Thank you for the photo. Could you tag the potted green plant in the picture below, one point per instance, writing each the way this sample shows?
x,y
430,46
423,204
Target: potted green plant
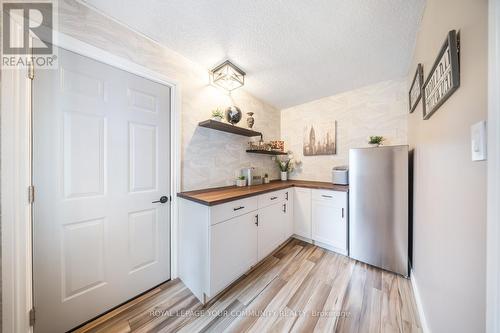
x,y
266,178
376,140
285,165
217,115
241,181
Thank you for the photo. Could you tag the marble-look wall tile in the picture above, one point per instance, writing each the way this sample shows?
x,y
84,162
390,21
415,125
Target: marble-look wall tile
x,y
209,158
379,109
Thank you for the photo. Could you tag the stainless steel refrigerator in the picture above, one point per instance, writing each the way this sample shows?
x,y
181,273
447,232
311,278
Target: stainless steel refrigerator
x,y
378,207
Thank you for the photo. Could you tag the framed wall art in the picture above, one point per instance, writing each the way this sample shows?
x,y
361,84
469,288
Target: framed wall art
x,y
444,77
415,93
320,139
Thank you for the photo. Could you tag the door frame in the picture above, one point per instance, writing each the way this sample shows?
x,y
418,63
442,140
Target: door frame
x,y
493,227
16,176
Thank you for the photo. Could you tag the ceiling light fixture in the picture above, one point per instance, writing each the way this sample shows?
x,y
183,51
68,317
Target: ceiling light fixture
x,y
228,76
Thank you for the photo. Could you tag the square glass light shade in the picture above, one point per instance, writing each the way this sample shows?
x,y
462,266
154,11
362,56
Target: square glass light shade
x,y
227,76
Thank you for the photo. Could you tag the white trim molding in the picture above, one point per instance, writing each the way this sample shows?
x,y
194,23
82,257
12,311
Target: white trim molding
x,y
16,177
418,301
493,227
16,209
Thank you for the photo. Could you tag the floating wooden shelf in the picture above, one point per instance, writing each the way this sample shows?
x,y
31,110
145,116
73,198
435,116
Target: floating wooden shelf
x,y
266,152
225,127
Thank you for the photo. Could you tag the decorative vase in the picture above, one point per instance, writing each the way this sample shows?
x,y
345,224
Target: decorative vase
x,y
233,114
241,182
284,175
250,119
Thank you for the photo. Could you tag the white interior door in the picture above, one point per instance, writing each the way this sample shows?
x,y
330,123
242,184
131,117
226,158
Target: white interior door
x,y
101,156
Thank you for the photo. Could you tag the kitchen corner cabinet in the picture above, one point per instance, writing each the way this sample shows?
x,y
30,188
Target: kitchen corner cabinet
x,y
329,219
321,217
218,244
288,208
302,212
271,231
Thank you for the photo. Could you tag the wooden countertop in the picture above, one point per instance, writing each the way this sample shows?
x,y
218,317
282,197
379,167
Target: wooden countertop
x,y
215,196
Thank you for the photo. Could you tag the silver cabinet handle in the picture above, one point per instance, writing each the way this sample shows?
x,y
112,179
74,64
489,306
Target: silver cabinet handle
x,y
238,208
274,198
326,196
342,212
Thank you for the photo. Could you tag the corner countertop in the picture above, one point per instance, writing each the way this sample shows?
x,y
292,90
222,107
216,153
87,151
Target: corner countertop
x,y
215,196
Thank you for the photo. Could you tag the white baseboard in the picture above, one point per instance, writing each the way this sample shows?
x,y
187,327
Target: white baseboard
x,y
418,300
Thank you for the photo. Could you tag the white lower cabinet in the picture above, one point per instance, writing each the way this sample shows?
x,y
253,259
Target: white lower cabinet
x,y
302,212
233,250
218,244
329,219
288,208
272,228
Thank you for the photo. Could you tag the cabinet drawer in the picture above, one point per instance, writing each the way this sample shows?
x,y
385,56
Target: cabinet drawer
x,y
271,198
232,209
335,197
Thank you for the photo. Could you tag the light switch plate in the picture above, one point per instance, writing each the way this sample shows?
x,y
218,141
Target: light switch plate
x,y
478,141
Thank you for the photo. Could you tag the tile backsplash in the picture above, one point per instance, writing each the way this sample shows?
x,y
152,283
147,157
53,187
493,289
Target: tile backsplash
x,y
378,109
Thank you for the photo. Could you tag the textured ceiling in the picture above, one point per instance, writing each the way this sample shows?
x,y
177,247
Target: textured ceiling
x,y
293,51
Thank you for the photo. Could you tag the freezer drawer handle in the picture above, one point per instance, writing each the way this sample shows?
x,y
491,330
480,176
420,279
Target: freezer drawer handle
x,y
326,196
238,208
342,212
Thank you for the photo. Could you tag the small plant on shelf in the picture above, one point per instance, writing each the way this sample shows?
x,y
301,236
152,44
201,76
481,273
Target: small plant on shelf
x,y
241,181
376,140
217,114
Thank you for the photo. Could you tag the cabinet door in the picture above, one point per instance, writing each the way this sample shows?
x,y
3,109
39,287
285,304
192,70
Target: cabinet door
x,y
329,220
302,212
288,207
233,250
271,230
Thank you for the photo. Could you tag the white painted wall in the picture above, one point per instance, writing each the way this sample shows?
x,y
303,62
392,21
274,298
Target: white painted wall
x,y
493,226
209,158
378,109
449,189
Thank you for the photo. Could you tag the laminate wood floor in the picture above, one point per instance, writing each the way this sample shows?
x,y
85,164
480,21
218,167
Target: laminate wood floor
x,y
300,288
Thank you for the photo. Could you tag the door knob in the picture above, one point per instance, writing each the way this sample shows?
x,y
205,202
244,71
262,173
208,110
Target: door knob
x,y
163,199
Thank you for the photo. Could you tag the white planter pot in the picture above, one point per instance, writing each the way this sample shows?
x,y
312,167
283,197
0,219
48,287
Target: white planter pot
x,y
284,175
266,180
241,182
217,118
